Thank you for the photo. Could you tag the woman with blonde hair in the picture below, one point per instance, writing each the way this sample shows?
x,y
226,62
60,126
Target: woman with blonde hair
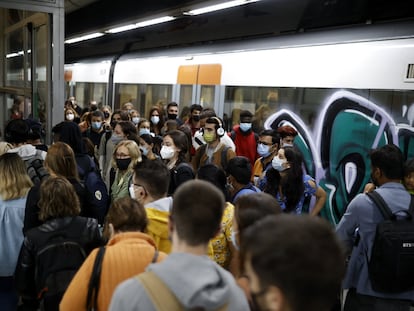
x,y
128,252
14,186
60,160
126,155
52,252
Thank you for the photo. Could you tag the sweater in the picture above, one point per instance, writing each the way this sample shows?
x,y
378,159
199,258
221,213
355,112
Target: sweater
x,y
126,255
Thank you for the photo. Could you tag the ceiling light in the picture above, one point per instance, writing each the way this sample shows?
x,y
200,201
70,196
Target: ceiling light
x,y
86,37
217,7
149,22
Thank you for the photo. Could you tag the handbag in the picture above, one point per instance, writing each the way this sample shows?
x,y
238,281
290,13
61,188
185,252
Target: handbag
x,y
93,288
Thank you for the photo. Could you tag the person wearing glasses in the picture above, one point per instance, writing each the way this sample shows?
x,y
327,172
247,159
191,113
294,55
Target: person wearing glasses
x,y
267,148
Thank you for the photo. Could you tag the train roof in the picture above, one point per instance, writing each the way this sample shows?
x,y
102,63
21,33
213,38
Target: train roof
x,y
256,20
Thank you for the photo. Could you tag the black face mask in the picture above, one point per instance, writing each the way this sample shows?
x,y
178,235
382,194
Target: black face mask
x,y
123,164
172,116
196,117
106,115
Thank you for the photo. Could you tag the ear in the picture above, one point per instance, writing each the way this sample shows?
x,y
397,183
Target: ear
x,y
275,300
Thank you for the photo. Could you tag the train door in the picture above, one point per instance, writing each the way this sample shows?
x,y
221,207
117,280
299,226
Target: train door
x,y
199,84
31,40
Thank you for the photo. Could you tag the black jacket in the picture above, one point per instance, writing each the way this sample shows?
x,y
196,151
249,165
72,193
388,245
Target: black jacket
x,y
31,271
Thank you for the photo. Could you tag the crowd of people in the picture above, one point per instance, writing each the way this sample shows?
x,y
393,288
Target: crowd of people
x,y
123,212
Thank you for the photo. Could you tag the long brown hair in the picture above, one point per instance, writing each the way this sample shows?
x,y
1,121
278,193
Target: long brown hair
x,y
60,159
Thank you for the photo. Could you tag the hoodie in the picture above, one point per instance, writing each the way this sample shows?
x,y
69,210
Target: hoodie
x,y
158,213
196,281
27,151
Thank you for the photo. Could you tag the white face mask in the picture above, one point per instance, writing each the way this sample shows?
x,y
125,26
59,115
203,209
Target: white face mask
x,y
70,116
132,192
277,164
155,119
135,120
167,152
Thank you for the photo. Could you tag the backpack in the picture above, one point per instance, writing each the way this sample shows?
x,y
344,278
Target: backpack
x,y
56,263
223,160
182,164
92,180
35,167
391,266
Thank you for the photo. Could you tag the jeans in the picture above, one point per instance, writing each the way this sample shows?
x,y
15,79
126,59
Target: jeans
x,y
8,295
359,302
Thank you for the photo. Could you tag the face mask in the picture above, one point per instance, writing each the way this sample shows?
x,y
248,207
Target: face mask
x,y
123,164
131,190
143,131
96,125
245,126
144,151
263,150
209,137
277,164
196,117
287,145
70,116
135,120
116,139
166,152
155,119
106,115
233,239
172,116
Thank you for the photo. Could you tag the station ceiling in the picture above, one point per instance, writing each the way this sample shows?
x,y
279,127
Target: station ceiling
x,y
260,19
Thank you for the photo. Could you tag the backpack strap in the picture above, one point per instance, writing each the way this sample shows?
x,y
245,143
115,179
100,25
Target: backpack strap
x,y
93,289
160,295
380,203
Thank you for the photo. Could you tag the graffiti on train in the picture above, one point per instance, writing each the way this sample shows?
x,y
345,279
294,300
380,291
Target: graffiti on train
x,y
336,152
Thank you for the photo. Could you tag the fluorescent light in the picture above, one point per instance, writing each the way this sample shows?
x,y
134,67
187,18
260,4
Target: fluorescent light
x,y
149,22
15,54
86,37
217,7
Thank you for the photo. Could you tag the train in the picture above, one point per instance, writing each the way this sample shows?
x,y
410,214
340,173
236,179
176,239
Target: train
x,y
345,90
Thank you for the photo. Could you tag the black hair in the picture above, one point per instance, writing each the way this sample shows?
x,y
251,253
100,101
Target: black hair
x,y
389,159
240,168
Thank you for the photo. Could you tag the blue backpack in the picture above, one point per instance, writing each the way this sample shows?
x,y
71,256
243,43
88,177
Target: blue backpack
x,y
91,179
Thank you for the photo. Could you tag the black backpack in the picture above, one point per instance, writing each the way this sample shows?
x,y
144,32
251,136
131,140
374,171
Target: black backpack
x,y
391,267
56,263
35,168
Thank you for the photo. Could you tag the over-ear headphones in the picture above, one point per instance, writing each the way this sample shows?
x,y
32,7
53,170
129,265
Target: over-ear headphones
x,y
220,130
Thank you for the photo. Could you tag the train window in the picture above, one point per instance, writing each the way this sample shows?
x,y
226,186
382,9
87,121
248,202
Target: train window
x,y
207,94
126,93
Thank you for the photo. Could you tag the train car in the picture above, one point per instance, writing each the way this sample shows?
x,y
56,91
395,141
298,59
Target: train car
x,y
346,91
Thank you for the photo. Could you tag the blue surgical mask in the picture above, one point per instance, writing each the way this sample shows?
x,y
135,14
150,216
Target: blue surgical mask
x,y
143,131
233,239
144,150
96,125
263,150
277,164
287,145
135,120
245,126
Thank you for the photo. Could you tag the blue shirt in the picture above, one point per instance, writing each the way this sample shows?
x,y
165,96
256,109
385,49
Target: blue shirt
x,y
362,217
11,233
